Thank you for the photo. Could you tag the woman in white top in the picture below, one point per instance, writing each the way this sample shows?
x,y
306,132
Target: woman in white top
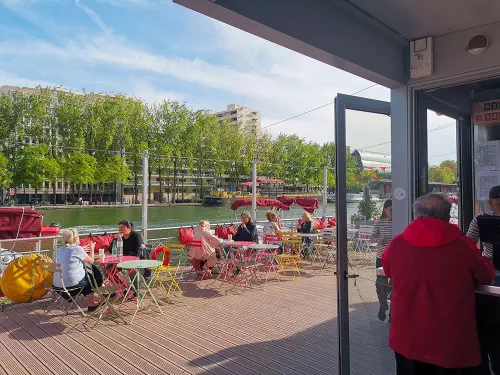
x,y
71,257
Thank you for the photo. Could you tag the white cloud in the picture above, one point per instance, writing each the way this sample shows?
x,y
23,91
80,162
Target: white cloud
x,y
121,3
93,16
279,82
7,78
144,89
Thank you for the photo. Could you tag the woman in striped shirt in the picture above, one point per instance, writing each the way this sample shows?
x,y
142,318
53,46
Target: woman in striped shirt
x,y
382,236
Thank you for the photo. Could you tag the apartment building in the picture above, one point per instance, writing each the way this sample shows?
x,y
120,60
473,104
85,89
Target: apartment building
x,y
247,119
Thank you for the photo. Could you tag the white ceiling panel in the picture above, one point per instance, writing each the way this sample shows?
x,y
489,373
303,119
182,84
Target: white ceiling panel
x,y
415,19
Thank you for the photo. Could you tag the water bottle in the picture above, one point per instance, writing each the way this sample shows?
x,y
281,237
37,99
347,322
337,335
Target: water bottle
x,y
114,248
119,246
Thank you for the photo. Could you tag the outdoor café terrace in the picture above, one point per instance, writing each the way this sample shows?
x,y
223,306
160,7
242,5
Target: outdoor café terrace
x,y
284,324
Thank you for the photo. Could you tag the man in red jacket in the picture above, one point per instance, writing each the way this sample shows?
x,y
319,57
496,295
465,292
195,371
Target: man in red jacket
x,y
434,269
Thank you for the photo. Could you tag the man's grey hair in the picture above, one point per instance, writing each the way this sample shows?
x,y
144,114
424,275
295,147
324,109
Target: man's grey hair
x,y
433,205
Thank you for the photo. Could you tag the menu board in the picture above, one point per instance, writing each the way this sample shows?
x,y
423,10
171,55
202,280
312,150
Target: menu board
x,y
486,112
488,156
487,167
485,181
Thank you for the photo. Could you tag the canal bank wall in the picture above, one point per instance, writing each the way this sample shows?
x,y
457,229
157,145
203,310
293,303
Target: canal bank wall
x,y
74,206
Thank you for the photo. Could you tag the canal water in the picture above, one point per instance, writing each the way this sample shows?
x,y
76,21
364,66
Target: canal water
x,y
98,220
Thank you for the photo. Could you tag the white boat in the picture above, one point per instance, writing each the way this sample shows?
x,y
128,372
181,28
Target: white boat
x,y
352,197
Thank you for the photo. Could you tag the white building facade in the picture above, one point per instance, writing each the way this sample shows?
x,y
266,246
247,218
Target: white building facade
x,y
247,119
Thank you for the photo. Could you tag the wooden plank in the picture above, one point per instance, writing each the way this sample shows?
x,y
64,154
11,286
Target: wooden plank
x,y
287,328
22,346
237,348
70,359
67,341
10,364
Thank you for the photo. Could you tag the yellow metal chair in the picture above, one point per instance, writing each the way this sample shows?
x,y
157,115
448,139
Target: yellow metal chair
x,y
290,259
287,235
168,277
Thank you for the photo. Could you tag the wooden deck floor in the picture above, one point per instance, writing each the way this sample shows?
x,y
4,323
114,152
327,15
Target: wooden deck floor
x,y
287,328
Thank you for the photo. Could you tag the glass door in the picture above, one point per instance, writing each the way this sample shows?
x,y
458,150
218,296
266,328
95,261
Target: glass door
x,y
443,154
363,184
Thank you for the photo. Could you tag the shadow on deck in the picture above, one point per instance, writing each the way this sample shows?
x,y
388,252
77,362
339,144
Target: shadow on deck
x,y
288,328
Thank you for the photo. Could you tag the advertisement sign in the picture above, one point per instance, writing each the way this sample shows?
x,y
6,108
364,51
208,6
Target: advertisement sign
x,y
486,112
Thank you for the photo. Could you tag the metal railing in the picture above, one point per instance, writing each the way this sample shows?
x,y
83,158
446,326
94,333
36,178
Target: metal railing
x,y
7,246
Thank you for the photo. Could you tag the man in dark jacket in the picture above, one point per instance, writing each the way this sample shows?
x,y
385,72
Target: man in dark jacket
x,y
247,231
434,269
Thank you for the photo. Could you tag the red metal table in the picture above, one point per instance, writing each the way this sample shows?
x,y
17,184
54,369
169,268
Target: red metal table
x,y
113,273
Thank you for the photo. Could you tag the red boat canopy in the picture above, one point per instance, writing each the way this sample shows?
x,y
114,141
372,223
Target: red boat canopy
x,y
309,204
19,223
261,202
248,183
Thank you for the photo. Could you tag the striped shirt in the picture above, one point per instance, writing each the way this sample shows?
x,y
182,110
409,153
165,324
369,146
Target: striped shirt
x,y
382,235
473,234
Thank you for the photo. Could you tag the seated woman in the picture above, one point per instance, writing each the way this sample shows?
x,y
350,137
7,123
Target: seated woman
x,y
247,230
306,226
273,225
71,257
306,223
132,240
206,254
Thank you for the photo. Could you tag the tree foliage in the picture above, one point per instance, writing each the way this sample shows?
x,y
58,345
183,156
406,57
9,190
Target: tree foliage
x,y
445,173
97,139
367,208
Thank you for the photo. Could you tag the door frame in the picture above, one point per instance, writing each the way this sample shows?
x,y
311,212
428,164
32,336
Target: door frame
x,y
465,162
343,103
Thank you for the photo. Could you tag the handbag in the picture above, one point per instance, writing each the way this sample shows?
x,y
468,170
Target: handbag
x,y
186,235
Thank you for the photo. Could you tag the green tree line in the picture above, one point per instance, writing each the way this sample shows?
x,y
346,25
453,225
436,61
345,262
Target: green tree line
x,y
95,139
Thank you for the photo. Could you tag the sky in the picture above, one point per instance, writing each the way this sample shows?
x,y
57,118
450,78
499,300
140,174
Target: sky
x,y
155,50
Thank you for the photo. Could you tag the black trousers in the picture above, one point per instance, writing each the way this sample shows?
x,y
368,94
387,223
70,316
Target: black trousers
x,y
383,287
405,366
488,329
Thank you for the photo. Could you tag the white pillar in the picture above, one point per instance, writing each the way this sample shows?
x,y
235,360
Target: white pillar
x,y
145,196
325,190
254,190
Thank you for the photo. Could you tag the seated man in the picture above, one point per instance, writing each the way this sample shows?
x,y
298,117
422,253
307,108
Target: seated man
x,y
434,269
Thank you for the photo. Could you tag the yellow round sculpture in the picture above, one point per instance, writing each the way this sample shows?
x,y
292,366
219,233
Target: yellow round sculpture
x,y
24,280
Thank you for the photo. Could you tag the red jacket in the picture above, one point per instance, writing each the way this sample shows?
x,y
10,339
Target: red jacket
x,y
434,269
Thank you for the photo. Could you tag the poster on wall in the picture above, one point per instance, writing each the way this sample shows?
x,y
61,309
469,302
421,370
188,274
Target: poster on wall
x,y
484,113
485,181
488,156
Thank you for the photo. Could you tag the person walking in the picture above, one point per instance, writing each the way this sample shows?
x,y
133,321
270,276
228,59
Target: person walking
x,y
382,236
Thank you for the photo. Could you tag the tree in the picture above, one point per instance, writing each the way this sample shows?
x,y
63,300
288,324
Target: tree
x,y
52,172
140,120
367,207
444,175
31,164
80,169
5,172
39,119
72,119
117,169
451,164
